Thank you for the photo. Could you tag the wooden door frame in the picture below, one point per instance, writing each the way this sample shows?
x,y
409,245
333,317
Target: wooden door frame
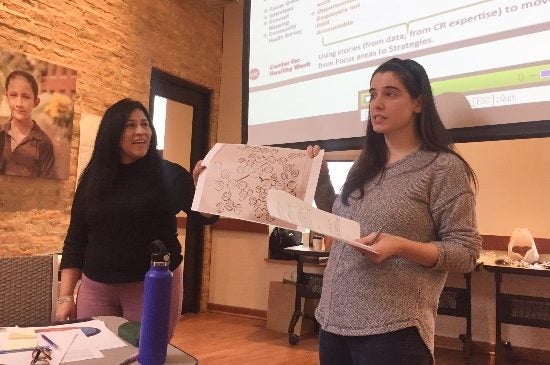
x,y
198,97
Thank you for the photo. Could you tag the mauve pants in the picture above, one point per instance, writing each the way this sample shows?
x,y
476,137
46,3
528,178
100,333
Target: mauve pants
x,y
124,300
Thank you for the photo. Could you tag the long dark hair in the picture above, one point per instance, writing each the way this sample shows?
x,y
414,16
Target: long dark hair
x,y
373,158
100,173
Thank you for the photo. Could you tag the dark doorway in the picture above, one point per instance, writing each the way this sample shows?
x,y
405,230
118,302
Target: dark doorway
x,y
198,98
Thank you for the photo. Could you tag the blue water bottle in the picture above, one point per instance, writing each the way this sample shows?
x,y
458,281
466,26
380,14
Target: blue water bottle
x,y
157,292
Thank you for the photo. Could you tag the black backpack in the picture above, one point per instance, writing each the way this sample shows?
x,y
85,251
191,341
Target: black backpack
x,y
281,238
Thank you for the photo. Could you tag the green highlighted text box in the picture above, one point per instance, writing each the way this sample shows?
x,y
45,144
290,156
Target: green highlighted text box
x,y
494,80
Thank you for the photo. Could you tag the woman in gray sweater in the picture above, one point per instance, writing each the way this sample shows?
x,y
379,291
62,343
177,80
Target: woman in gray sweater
x,y
409,182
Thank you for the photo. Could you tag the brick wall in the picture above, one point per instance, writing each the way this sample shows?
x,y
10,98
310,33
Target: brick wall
x,y
113,44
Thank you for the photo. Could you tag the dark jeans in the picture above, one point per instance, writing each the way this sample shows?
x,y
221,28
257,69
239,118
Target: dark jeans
x,y
402,347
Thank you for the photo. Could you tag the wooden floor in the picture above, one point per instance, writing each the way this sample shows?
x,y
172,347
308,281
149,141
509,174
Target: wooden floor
x,y
215,338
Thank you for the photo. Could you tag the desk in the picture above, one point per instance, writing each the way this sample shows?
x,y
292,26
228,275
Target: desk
x,y
115,356
457,302
111,356
516,309
307,285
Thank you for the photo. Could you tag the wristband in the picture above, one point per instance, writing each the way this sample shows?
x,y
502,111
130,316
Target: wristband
x,y
65,299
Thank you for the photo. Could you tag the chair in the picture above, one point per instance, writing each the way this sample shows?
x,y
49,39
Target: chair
x,y
28,289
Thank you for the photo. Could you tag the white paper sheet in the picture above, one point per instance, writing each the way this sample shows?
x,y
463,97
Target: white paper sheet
x,y
293,210
104,339
237,178
82,348
73,344
19,338
15,358
59,343
15,355
63,341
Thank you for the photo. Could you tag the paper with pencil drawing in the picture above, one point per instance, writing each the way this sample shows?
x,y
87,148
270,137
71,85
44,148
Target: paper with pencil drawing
x,y
237,178
291,209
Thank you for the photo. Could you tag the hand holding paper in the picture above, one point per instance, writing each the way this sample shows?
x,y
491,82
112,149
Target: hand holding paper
x,y
293,210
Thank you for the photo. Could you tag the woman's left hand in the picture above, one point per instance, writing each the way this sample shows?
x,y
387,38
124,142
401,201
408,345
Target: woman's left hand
x,y
385,244
197,171
313,151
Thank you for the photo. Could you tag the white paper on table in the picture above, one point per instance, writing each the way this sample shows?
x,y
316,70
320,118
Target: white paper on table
x,y
237,178
18,338
16,358
82,348
103,340
291,209
63,340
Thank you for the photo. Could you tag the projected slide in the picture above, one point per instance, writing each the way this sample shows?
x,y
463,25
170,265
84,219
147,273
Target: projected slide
x,y
311,61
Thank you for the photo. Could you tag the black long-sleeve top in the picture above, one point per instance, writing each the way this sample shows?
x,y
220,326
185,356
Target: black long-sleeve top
x,y
110,238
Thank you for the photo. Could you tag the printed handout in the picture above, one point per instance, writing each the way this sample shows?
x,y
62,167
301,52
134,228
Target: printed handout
x,y
73,342
293,210
58,343
237,178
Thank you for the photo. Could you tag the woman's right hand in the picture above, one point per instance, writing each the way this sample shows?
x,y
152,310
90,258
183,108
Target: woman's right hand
x,y
197,170
65,311
66,307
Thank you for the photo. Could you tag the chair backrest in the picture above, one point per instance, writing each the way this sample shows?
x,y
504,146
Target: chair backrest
x,y
28,288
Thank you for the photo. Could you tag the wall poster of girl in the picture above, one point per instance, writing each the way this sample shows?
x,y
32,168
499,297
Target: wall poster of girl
x,y
36,116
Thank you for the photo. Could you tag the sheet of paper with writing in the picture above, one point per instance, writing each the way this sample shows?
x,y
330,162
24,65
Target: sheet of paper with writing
x,y
293,210
237,178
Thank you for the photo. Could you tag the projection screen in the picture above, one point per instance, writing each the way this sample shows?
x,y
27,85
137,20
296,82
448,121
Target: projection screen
x,y
310,63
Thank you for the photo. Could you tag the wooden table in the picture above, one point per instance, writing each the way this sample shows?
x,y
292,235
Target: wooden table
x,y
457,302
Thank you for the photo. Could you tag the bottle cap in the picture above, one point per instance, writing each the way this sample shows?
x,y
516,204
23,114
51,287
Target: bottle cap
x,y
160,254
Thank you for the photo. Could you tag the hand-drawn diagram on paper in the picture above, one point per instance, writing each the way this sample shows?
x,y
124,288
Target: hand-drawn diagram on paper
x,y
237,178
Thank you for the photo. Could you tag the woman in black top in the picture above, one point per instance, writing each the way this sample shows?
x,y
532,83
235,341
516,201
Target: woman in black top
x,y
127,197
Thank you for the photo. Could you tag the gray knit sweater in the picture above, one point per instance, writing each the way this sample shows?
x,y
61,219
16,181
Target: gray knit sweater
x,y
425,197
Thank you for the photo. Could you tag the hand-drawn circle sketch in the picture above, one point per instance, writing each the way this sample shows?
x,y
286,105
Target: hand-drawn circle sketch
x,y
260,167
238,178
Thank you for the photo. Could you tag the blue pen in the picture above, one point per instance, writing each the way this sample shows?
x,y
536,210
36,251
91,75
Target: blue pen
x,y
54,345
